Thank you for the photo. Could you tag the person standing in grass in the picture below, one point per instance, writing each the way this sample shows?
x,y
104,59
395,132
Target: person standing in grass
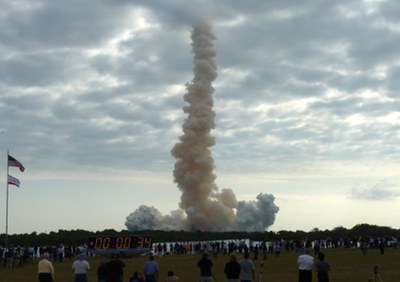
x,y
80,268
205,265
322,267
114,269
151,270
247,269
45,269
232,269
376,277
101,272
305,263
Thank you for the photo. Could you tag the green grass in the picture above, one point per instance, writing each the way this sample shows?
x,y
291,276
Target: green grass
x,y
348,265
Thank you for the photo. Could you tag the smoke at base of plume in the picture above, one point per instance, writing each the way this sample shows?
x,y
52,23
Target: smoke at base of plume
x,y
202,206
249,216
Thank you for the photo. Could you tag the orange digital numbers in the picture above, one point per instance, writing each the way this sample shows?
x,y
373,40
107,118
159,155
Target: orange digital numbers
x,y
127,242
148,242
106,243
120,242
102,243
144,242
123,243
98,243
140,242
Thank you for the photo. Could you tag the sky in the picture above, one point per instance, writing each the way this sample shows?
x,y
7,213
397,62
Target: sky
x,y
306,109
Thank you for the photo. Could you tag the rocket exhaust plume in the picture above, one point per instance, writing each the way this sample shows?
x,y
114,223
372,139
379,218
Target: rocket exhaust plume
x,y
194,164
202,206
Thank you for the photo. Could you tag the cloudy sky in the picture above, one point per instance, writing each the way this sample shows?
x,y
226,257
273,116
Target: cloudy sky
x,y
306,101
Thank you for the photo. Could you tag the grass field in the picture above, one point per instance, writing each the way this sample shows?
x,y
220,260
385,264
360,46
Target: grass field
x,y
348,265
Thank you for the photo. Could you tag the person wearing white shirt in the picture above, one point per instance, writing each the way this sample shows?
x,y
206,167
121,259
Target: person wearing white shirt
x,y
80,268
305,264
45,269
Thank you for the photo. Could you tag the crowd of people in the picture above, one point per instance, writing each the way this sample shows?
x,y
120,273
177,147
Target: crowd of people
x,y
242,270
113,270
235,270
12,257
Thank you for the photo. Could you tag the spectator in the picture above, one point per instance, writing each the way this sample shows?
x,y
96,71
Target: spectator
x,y
137,276
232,269
45,269
101,272
382,247
205,265
247,269
305,264
114,269
322,267
80,267
151,270
171,277
376,277
277,249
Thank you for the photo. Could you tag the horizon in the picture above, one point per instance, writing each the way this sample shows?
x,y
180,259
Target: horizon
x,y
234,231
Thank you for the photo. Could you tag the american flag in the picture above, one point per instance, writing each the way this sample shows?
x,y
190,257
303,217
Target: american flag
x,y
13,180
14,162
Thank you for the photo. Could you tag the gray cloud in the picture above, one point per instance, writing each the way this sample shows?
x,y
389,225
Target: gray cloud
x,y
380,190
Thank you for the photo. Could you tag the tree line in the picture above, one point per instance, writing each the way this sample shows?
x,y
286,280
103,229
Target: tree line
x,y
79,236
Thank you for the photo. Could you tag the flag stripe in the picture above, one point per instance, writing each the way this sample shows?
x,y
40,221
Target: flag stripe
x,y
13,180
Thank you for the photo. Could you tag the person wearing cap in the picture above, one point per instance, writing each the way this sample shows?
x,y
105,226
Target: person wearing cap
x,y
151,270
80,267
45,269
205,265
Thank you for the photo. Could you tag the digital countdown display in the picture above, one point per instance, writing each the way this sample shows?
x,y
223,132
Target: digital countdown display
x,y
120,242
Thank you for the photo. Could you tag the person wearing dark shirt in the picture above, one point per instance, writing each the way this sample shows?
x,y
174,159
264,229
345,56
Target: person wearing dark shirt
x,y
322,267
114,270
101,272
205,265
232,269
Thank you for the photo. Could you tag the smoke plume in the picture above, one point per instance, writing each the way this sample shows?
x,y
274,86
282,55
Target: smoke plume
x,y
203,206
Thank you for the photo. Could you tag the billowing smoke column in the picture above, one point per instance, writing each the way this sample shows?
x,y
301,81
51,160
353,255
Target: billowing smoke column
x,y
202,206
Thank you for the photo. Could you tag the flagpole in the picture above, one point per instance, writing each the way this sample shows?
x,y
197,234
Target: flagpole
x,y
7,202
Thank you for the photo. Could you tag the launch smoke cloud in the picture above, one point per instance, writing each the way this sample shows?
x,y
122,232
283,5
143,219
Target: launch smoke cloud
x,y
202,205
